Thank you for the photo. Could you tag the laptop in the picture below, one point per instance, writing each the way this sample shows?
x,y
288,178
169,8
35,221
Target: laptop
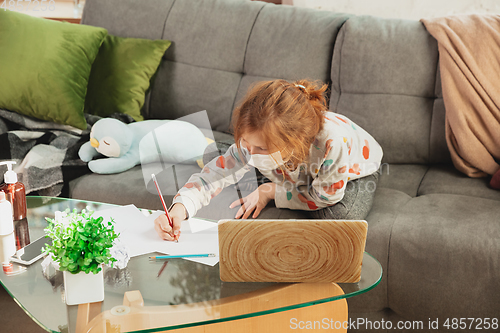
x,y
291,250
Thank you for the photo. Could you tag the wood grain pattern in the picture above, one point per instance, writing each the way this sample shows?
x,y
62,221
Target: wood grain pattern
x,y
142,317
291,250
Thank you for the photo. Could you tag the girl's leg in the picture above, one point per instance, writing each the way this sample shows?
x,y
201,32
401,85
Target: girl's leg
x,y
356,203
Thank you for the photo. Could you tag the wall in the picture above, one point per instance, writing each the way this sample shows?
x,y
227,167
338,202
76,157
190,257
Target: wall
x,y
405,9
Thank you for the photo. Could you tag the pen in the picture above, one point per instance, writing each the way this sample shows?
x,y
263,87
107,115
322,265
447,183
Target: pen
x,y
170,222
207,255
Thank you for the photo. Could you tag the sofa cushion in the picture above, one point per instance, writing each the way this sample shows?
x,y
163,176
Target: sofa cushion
x,y
227,138
443,258
121,189
447,179
438,150
402,177
386,206
386,56
133,186
292,43
120,75
383,78
128,18
202,69
211,34
180,89
45,67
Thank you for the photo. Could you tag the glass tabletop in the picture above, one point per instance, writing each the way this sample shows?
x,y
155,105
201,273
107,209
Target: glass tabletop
x,y
181,283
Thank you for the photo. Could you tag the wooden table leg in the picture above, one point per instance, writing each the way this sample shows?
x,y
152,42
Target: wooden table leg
x,y
332,316
86,312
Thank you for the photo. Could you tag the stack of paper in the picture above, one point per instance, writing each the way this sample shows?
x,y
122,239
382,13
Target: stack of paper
x,y
138,234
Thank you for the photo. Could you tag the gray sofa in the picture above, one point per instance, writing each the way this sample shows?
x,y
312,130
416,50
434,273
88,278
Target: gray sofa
x,y
435,231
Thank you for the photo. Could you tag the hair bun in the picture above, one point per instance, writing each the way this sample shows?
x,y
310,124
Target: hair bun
x,y
313,89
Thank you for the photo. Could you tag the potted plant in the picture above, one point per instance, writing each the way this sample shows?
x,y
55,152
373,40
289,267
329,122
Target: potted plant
x,y
81,246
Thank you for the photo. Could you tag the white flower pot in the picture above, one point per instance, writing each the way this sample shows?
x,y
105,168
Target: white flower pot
x,y
83,288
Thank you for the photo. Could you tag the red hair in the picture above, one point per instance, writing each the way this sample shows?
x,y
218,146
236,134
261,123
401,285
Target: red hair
x,y
287,115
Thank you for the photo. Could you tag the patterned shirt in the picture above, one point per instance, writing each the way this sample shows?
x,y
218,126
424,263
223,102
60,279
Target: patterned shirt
x,y
341,151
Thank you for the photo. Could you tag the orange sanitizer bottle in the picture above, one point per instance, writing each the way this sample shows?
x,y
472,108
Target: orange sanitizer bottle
x,y
15,193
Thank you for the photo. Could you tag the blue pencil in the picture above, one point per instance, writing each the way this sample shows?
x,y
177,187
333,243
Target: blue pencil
x,y
185,256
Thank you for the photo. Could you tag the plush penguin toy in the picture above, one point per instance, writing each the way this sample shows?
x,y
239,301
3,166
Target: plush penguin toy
x,y
172,141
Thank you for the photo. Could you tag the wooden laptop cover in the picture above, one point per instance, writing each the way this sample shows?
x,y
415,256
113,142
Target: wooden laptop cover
x,y
291,250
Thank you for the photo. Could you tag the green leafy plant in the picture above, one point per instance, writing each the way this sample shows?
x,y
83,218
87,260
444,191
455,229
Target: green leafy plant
x,y
80,242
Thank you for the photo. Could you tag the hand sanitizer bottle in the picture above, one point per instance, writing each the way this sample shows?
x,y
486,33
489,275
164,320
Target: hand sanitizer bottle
x,y
7,241
16,195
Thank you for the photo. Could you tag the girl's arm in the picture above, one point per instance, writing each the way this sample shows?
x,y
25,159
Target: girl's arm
x,y
217,174
326,189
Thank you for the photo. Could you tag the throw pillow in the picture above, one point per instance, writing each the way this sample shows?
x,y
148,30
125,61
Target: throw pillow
x,y
45,67
121,75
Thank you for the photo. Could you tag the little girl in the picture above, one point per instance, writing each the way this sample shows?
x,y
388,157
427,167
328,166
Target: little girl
x,y
311,158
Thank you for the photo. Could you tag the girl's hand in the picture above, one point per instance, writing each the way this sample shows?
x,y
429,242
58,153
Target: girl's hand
x,y
256,200
162,227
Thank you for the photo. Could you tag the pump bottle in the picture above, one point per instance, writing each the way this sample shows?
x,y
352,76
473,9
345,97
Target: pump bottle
x,y
16,195
7,241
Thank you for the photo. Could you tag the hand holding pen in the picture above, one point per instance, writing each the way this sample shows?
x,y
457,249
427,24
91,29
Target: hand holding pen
x,y
163,227
168,225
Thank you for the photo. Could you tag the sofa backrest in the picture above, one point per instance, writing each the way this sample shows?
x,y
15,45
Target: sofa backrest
x,y
383,73
220,47
385,78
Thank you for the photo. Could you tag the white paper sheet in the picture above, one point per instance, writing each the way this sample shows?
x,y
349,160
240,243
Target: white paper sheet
x,y
197,225
138,234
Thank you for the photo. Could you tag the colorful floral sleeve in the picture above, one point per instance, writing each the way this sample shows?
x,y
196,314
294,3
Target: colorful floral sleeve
x,y
219,173
326,189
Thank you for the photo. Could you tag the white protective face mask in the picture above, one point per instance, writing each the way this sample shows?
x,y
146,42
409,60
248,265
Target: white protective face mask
x,y
264,162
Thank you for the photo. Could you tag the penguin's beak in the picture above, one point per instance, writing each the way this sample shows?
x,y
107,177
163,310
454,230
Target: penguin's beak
x,y
94,143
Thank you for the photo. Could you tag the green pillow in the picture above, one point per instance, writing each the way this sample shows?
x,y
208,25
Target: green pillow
x,y
45,66
121,74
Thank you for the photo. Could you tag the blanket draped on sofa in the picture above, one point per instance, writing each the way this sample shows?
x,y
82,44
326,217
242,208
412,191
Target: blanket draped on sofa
x,y
46,154
469,52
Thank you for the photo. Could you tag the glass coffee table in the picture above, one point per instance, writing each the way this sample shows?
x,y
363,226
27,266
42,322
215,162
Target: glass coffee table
x,y
152,296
